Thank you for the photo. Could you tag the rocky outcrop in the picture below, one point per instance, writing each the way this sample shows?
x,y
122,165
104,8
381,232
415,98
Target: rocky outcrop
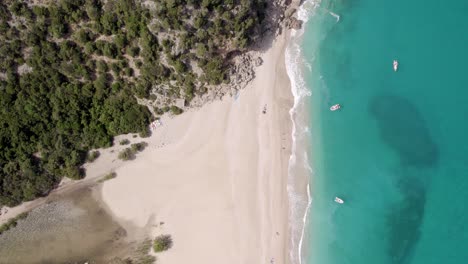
x,y
242,66
294,23
258,61
243,71
180,103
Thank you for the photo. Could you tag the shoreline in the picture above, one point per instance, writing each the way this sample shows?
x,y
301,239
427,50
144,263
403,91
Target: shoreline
x,y
299,171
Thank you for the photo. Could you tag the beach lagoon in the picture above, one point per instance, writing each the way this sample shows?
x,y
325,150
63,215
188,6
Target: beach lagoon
x,y
70,228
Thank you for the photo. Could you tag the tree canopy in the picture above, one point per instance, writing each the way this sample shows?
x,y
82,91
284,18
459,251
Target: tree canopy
x,y
71,73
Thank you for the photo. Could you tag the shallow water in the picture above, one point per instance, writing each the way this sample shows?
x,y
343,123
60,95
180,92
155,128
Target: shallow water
x,y
396,151
73,228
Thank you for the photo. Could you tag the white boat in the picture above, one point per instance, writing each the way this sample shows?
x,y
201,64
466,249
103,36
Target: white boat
x,y
339,200
335,107
395,65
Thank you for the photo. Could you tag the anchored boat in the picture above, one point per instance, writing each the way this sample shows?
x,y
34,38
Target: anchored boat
x,y
335,107
395,65
339,200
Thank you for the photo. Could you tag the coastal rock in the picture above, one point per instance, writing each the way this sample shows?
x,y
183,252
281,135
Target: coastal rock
x,y
180,103
294,23
258,61
290,12
242,72
242,66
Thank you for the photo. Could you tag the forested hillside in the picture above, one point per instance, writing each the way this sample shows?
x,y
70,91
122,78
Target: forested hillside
x,y
71,72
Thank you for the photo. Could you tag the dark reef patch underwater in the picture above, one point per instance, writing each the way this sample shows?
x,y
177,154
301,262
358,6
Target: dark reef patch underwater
x,y
404,130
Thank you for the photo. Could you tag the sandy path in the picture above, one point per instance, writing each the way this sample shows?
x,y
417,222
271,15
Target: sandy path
x,y
219,181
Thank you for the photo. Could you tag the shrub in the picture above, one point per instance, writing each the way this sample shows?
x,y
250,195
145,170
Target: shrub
x,y
92,156
138,63
134,51
162,243
145,133
74,173
148,259
166,109
142,255
129,153
201,50
153,97
158,110
115,68
109,176
126,154
116,86
136,147
101,66
124,142
12,222
128,72
176,110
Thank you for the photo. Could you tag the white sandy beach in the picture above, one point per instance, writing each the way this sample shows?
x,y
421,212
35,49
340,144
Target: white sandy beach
x,y
219,181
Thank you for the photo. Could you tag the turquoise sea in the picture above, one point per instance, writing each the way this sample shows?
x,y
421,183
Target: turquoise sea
x,y
397,150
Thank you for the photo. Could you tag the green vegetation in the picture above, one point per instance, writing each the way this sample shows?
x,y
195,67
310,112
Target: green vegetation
x,y
129,153
136,147
109,176
92,156
143,251
148,259
126,154
145,133
140,255
124,142
162,243
71,73
176,110
12,222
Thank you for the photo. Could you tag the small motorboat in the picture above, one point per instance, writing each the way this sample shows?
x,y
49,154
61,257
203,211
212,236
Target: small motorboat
x,y
335,107
395,65
339,200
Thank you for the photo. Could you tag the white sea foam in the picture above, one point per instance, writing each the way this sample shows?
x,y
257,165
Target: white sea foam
x,y
295,64
306,212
